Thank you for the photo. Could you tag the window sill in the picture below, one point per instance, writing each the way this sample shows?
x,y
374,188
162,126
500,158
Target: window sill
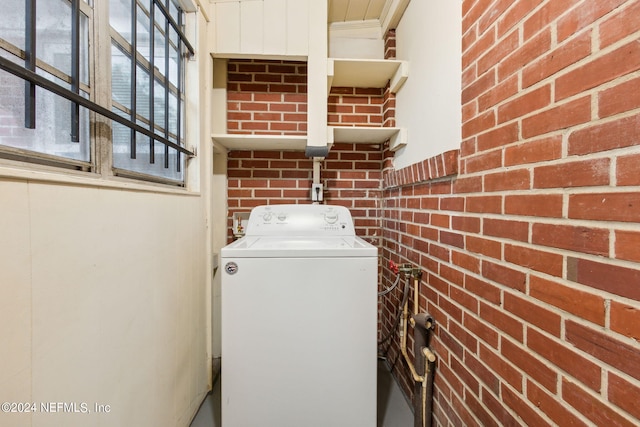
x,y
44,174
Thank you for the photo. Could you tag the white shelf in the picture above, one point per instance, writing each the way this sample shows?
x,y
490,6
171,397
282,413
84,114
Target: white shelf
x,y
261,142
370,135
366,73
365,135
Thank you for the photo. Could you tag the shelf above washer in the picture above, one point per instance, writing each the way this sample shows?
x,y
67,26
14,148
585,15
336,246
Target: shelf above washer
x,y
369,135
366,73
261,142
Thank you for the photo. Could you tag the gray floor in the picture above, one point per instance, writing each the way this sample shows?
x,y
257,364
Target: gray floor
x,y
393,409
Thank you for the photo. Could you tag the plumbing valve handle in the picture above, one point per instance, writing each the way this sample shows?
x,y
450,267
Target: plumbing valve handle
x,y
394,267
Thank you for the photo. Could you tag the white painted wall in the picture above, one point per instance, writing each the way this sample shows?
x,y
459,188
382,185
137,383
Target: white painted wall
x,y
359,40
317,91
271,28
105,289
428,105
102,300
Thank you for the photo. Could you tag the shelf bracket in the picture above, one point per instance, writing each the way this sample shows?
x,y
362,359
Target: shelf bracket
x,y
398,140
399,77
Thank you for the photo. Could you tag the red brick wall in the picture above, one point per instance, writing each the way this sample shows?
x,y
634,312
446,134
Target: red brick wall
x,y
266,97
389,98
528,235
531,247
269,97
350,106
352,176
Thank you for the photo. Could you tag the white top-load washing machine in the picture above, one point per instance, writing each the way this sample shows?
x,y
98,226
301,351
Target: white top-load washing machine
x,y
299,321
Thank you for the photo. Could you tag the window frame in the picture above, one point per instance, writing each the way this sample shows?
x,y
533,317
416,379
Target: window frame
x,y
99,101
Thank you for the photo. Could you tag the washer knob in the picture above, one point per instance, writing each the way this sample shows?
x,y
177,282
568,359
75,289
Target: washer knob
x,y
331,217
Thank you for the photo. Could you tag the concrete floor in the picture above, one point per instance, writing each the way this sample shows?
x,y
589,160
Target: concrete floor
x,y
393,408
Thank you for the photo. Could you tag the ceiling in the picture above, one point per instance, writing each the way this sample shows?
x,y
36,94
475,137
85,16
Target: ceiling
x,y
356,10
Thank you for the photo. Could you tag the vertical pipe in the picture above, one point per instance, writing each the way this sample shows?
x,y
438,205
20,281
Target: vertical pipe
x,y
30,64
419,341
416,293
316,170
422,401
427,392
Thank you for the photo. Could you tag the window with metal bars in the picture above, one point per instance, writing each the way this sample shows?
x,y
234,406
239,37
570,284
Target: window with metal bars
x,y
49,71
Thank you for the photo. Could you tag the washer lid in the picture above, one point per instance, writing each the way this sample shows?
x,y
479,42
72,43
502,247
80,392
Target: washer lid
x,y
299,247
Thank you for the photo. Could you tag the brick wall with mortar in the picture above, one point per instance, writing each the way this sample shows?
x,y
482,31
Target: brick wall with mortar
x,y
351,174
528,237
266,97
528,234
351,106
262,97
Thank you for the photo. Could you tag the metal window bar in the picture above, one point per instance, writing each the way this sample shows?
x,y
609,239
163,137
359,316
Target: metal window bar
x,y
75,68
152,80
175,26
166,92
30,64
37,80
134,69
179,96
160,78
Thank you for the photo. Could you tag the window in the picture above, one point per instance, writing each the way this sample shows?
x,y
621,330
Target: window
x,y
50,110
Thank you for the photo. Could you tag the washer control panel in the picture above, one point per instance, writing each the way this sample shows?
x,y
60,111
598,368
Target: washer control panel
x,y
300,220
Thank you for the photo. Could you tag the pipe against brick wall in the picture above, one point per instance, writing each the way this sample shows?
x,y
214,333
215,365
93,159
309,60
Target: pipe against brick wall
x,y
316,171
424,362
424,359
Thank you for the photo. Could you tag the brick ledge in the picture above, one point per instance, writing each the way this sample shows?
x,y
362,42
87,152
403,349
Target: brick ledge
x,y
441,166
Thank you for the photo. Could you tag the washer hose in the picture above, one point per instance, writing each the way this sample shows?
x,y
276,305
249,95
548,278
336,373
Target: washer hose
x,y
396,321
390,288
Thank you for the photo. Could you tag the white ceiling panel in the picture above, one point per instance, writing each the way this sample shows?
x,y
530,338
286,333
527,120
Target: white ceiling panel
x,y
355,10
338,10
375,9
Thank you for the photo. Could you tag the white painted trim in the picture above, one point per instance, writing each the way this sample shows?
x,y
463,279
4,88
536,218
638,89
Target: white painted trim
x,y
238,55
392,13
35,173
398,140
400,76
204,10
317,92
189,5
